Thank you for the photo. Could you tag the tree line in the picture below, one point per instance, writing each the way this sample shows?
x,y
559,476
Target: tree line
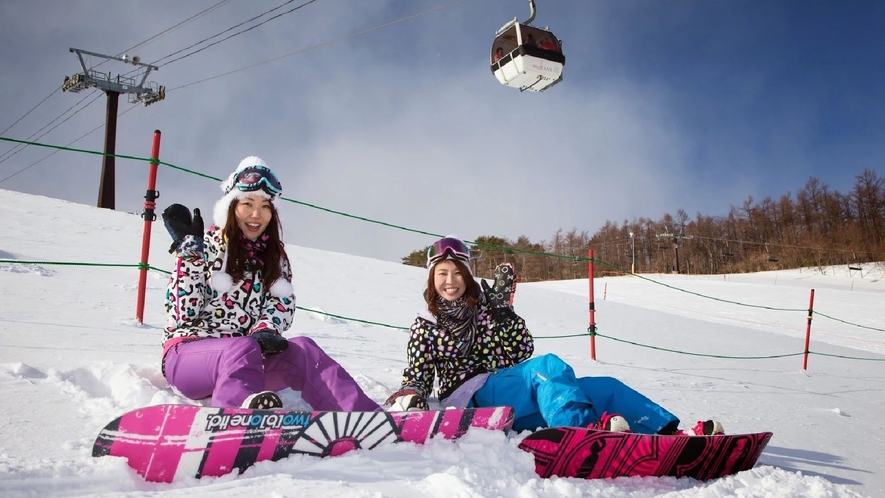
x,y
818,227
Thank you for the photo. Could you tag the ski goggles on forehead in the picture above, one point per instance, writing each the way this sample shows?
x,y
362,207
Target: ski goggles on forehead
x,y
447,247
258,177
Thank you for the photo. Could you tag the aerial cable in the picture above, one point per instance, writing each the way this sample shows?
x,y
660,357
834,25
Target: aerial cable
x,y
72,142
330,42
167,30
32,109
173,28
320,45
157,62
8,154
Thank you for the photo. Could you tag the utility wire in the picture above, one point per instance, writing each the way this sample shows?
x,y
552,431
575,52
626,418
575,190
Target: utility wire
x,y
313,47
771,244
611,242
157,62
330,42
32,110
154,37
56,151
166,31
15,150
5,157
173,28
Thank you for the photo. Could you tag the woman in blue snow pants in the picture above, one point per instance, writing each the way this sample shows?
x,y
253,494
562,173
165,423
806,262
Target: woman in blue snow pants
x,y
471,341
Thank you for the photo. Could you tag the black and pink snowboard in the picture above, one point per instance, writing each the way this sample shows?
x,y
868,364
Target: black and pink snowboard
x,y
166,442
594,454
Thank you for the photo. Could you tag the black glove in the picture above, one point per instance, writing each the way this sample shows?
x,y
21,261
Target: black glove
x,y
500,295
270,341
179,224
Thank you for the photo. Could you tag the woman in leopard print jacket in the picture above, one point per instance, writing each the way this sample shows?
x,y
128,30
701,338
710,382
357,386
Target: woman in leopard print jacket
x,y
475,345
229,301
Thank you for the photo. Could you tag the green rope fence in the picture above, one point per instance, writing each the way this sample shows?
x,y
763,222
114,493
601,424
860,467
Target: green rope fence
x,y
422,232
769,357
166,272
287,199
738,303
399,327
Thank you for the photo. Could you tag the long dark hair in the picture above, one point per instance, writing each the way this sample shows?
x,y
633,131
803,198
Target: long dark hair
x,y
472,291
236,249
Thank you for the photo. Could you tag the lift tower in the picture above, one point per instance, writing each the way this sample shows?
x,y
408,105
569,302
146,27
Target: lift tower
x,y
676,237
138,89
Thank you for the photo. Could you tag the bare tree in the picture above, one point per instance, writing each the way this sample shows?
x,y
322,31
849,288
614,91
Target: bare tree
x,y
820,227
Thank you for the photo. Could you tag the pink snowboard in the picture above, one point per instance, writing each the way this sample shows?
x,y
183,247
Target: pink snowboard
x,y
166,442
593,454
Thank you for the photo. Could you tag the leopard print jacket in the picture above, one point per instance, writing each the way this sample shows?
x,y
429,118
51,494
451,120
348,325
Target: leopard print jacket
x,y
498,343
195,310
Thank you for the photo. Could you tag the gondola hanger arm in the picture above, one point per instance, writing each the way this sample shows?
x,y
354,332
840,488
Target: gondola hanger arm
x,y
532,14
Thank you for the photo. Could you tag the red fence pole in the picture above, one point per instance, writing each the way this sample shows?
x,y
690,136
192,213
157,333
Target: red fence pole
x,y
149,217
591,329
808,329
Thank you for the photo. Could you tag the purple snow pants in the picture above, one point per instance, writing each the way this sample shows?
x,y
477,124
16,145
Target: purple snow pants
x,y
230,369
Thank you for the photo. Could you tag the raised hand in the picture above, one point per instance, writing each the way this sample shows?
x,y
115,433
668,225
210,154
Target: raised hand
x,y
179,223
500,295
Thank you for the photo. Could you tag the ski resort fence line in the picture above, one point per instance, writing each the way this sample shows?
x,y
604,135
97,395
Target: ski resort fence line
x,y
592,331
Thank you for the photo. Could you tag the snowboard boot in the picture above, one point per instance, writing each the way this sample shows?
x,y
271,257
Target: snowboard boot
x,y
265,400
708,428
612,422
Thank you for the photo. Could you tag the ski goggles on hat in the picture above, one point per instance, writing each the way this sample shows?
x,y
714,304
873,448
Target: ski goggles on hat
x,y
256,178
445,248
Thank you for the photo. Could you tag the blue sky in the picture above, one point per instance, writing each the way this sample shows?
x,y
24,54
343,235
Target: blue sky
x,y
665,105
792,80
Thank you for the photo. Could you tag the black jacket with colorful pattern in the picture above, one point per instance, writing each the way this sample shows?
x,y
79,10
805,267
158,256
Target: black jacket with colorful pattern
x,y
203,302
501,340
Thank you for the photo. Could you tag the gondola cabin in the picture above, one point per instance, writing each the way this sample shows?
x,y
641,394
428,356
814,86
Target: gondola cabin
x,y
527,57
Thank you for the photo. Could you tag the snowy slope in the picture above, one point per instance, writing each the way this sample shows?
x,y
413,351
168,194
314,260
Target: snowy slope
x,y
72,357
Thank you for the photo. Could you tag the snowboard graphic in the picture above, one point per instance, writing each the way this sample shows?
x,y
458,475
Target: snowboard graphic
x,y
166,442
594,454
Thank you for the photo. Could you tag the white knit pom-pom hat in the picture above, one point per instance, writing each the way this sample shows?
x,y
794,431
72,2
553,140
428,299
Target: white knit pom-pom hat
x,y
231,192
220,280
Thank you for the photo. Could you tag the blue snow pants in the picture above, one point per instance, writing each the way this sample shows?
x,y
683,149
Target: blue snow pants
x,y
544,392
